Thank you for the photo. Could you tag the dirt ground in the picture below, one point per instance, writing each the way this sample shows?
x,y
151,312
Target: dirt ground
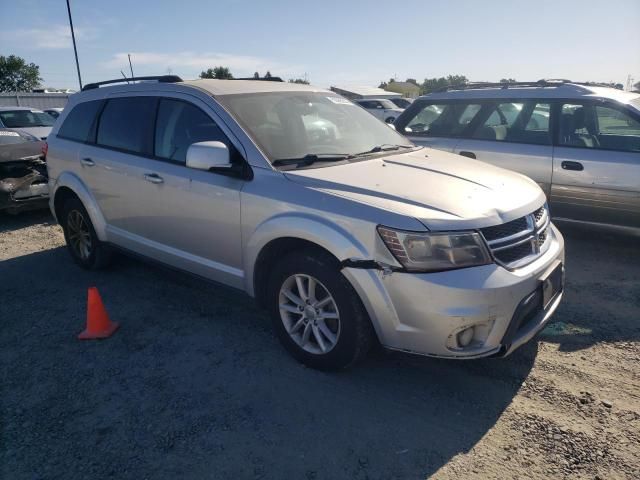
x,y
195,385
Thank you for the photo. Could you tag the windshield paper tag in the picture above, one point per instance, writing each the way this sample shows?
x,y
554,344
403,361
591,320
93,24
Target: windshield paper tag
x,y
340,100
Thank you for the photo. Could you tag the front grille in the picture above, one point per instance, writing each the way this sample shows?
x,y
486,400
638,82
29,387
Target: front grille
x,y
521,241
505,230
512,254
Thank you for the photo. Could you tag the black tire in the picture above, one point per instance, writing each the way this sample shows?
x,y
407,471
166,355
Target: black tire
x,y
356,335
390,120
98,255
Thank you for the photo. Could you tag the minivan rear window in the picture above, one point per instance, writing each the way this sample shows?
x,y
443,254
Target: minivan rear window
x,y
127,124
78,124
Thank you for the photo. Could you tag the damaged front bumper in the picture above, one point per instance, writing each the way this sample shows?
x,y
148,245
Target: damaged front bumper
x,y
467,313
23,185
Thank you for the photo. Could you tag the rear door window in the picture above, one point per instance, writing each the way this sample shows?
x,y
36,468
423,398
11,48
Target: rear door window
x,y
179,125
80,120
443,119
521,122
127,124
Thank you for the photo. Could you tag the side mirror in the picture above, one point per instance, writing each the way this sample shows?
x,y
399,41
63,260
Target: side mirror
x,y
208,155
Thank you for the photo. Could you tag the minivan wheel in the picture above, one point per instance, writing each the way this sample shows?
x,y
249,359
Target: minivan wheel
x,y
82,241
316,313
390,120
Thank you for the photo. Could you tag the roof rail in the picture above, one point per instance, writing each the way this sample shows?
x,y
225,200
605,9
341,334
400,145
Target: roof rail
x,y
503,85
270,79
159,78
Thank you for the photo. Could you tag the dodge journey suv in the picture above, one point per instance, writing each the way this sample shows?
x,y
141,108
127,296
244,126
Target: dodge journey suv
x,y
580,142
344,230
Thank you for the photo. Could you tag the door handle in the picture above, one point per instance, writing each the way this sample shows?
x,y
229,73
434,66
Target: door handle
x,y
153,178
467,154
567,165
87,162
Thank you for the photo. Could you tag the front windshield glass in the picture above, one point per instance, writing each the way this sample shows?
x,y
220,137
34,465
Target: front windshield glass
x,y
26,119
287,125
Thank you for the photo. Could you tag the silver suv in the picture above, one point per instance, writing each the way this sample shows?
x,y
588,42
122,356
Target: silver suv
x,y
344,230
580,142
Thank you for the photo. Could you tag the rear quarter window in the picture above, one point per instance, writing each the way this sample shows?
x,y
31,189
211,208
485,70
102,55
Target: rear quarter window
x,y
78,124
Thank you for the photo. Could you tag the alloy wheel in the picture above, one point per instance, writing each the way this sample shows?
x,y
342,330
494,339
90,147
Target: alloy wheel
x,y
309,314
79,234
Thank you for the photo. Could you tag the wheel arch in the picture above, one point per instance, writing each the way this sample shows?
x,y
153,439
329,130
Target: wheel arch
x,y
284,234
69,185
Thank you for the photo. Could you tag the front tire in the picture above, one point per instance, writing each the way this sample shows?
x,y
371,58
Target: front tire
x,y
82,242
316,313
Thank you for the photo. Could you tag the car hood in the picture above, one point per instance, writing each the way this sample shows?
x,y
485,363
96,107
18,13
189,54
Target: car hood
x,y
442,190
40,132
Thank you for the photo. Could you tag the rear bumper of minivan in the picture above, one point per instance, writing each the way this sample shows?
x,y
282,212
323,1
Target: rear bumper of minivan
x,y
467,313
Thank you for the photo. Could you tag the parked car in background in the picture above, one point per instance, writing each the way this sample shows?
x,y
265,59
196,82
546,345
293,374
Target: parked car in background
x,y
381,108
31,120
23,173
54,112
581,143
342,228
402,102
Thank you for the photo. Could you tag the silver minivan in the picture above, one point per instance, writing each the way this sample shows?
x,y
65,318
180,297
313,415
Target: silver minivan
x,y
580,143
346,232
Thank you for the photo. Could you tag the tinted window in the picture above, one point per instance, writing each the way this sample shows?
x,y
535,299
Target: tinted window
x,y
446,119
599,126
80,120
181,124
126,124
522,122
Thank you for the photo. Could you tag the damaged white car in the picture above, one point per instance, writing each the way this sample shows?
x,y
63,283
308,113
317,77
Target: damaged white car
x,y
23,172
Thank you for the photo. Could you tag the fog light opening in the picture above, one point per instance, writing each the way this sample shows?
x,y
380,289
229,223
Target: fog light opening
x,y
465,336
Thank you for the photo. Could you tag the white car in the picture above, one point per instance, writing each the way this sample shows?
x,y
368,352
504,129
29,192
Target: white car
x,y
381,108
30,120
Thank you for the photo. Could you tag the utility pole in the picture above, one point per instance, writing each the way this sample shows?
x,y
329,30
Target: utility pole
x,y
75,50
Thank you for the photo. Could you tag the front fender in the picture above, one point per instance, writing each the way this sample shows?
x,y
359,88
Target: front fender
x,y
312,228
73,182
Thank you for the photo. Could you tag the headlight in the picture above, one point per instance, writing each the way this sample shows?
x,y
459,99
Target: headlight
x,y
431,252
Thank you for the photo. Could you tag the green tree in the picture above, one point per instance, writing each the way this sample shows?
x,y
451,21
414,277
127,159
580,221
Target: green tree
x,y
299,80
268,74
636,86
383,85
431,84
256,75
18,76
221,73
412,80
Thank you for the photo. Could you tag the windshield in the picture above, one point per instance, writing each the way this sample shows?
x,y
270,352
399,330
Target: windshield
x,y
26,118
288,125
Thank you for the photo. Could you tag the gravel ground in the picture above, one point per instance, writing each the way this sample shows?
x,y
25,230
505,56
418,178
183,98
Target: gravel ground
x,y
195,385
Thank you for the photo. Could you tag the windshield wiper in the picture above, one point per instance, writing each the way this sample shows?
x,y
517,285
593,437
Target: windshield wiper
x,y
311,158
385,147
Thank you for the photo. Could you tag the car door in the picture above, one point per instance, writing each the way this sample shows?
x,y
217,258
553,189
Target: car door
x,y
513,134
158,207
437,124
596,163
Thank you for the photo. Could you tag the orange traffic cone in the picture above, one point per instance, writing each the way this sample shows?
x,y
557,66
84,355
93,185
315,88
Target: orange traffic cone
x,y
98,323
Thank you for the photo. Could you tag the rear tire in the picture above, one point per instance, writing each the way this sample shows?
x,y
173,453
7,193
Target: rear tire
x,y
390,120
327,311
82,242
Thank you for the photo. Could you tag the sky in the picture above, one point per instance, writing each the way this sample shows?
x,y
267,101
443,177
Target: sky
x,y
347,42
